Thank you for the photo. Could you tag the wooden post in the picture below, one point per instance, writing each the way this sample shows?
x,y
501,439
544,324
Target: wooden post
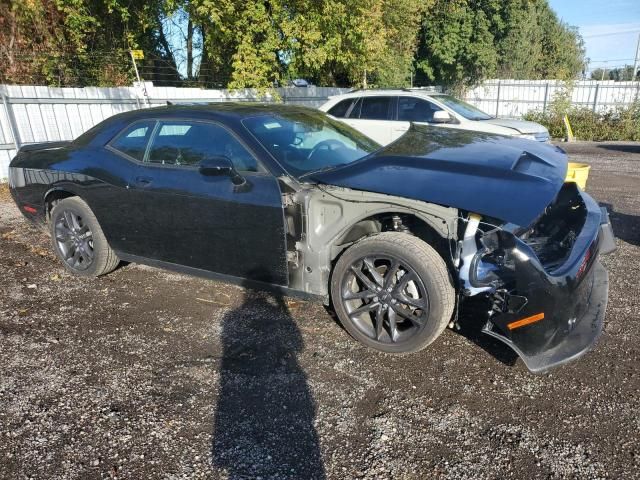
x,y
498,98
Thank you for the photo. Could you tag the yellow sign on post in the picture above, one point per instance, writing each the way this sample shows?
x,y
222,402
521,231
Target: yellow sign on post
x,y
137,54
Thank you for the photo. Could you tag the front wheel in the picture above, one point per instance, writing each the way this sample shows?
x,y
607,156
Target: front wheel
x,y
78,241
393,292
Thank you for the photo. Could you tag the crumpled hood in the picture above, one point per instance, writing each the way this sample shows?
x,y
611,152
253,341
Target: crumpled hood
x,y
508,178
521,126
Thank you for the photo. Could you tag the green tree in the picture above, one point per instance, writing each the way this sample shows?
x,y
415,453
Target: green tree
x,y
464,41
341,42
242,44
519,40
456,45
72,42
563,54
618,74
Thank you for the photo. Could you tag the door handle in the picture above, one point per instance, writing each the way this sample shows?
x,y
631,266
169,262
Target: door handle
x,y
143,181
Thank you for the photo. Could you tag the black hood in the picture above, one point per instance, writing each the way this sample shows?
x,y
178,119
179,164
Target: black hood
x,y
507,178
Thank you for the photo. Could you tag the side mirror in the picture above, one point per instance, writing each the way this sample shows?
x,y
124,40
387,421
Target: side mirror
x,y
441,116
215,166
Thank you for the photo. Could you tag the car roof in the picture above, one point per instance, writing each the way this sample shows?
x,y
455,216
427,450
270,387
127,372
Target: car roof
x,y
386,92
222,110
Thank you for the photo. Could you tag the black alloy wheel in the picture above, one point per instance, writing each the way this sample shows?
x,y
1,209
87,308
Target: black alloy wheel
x,y
74,239
385,298
78,240
392,292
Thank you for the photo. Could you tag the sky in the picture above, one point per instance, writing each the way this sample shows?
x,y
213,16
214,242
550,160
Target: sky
x,y
610,28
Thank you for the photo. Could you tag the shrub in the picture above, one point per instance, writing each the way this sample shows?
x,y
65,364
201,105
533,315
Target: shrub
x,y
619,124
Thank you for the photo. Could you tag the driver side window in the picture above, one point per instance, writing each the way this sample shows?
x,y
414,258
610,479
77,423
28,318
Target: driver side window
x,y
185,143
412,109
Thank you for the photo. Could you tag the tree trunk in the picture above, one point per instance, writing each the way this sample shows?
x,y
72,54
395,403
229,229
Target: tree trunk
x,y
170,59
204,58
190,49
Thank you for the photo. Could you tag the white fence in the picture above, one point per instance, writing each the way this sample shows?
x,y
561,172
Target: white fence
x,y
31,114
514,98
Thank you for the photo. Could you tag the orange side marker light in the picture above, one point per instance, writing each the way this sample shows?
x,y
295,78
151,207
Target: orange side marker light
x,y
526,321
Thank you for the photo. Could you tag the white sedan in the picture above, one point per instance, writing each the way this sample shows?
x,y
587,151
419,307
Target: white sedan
x,y
385,115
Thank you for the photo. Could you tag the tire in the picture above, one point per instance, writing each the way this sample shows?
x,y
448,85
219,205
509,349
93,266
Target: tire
x,y
78,240
403,307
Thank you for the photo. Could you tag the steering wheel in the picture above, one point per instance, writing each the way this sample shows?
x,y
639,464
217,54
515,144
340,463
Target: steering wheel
x,y
325,145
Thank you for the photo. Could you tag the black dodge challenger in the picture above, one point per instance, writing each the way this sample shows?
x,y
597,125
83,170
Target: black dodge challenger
x,y
394,238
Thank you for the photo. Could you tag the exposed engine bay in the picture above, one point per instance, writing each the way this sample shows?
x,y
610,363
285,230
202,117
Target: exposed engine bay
x,y
550,237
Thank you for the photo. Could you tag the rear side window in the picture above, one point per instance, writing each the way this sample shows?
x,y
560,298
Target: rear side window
x,y
412,109
376,108
133,140
340,109
188,143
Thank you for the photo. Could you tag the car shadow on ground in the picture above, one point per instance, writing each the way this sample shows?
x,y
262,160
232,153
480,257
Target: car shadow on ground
x,y
265,412
625,148
625,227
471,319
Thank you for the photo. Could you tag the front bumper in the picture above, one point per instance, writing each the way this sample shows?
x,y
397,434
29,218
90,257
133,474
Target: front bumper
x,y
551,318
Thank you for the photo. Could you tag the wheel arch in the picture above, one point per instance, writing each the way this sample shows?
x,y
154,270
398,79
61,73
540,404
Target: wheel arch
x,y
54,195
424,226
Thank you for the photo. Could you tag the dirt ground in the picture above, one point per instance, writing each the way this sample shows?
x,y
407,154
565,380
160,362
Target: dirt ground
x,y
148,374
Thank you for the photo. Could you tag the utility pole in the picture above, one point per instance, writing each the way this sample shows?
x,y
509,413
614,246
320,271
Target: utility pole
x,y
140,55
637,60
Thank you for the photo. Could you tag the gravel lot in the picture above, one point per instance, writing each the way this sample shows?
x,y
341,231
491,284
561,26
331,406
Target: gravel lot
x,y
148,374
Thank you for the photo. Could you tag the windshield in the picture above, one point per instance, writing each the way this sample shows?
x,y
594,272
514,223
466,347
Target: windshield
x,y
463,108
307,141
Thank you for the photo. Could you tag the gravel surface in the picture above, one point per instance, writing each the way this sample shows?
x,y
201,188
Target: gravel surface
x,y
148,374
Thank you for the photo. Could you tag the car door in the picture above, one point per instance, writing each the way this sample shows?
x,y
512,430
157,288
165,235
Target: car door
x,y
372,116
117,167
208,222
412,109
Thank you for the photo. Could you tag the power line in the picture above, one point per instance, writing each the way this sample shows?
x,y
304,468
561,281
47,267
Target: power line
x,y
610,34
612,60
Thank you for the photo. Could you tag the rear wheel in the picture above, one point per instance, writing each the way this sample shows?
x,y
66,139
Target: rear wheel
x,y
78,240
393,292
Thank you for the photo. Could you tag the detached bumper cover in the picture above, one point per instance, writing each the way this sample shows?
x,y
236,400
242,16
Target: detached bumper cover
x,y
576,339
568,303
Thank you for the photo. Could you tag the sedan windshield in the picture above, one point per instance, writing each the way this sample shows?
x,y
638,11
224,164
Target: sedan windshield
x,y
463,108
305,141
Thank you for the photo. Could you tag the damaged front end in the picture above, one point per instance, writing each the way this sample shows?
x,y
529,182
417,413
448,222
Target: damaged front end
x,y
547,288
